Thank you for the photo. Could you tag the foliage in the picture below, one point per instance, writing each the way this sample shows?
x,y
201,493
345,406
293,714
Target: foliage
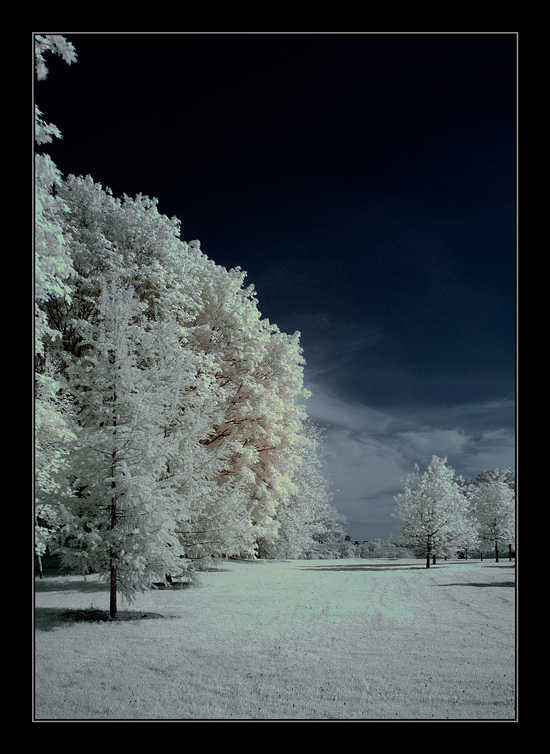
x,y
170,419
54,43
121,520
307,519
380,548
492,507
54,431
433,509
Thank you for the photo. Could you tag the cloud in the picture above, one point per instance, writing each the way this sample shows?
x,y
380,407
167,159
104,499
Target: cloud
x,y
428,442
364,465
491,449
330,408
371,452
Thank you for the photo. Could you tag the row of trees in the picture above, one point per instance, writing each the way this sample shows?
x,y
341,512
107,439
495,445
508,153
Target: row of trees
x,y
169,414
441,513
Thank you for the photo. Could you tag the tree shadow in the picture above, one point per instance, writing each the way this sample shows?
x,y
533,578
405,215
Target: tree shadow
x,y
59,584
367,567
480,583
49,618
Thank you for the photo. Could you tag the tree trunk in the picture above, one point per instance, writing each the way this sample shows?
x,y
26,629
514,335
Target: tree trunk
x,y
496,551
428,552
112,563
113,595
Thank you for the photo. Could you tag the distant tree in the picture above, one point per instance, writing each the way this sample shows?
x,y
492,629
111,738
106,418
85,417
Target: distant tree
x,y
380,548
432,509
492,505
487,476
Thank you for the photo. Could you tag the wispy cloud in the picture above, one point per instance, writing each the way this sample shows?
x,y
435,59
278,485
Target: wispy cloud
x,y
330,347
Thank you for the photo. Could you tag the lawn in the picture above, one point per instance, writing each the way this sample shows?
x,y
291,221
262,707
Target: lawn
x,y
296,640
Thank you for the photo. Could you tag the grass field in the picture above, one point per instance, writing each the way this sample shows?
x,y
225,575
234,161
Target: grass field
x,y
296,640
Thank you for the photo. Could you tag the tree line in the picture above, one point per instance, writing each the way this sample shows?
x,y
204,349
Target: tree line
x,y
441,513
169,418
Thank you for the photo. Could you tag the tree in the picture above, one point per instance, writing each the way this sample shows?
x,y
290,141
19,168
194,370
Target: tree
x,y
235,425
432,508
487,476
120,523
307,518
259,375
53,264
53,43
154,352
53,273
492,504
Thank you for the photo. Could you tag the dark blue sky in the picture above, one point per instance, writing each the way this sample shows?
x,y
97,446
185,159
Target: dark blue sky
x,y
367,184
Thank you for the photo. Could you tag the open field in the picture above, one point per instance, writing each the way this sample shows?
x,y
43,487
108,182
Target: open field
x,y
296,640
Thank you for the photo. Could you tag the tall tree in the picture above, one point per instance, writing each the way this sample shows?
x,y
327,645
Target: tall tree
x,y
259,374
237,417
432,509
120,524
220,386
53,273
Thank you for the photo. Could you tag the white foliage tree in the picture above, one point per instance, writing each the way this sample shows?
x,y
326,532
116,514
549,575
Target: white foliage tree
x,y
488,476
53,265
54,44
238,416
433,509
492,505
54,439
159,354
307,518
121,523
259,373
53,274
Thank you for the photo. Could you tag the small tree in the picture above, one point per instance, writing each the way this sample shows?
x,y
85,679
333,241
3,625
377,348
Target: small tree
x,y
432,508
492,505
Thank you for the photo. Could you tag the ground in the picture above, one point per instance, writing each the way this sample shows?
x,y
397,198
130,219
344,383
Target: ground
x,y
296,640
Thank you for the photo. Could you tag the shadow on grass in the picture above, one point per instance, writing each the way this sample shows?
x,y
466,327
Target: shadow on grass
x,y
48,618
366,567
60,584
400,566
479,583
